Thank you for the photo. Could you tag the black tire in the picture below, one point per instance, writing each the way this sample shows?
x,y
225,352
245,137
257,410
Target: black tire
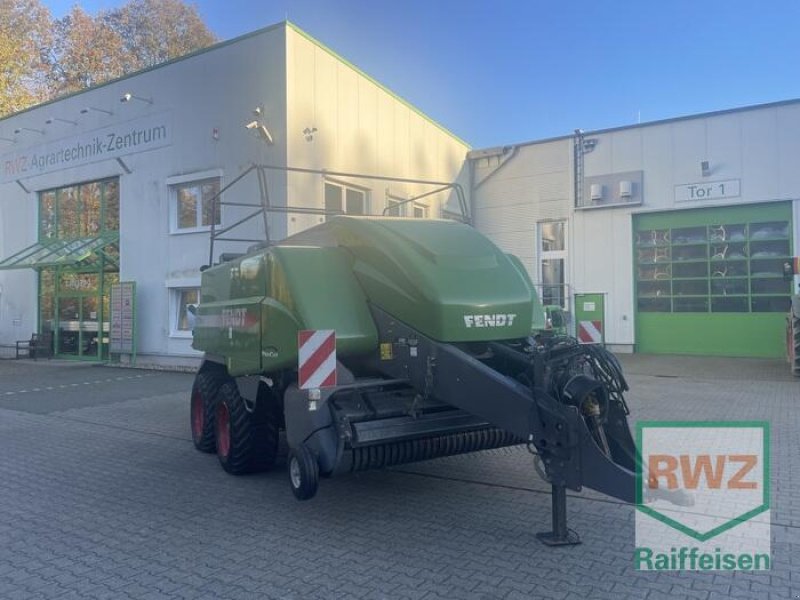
x,y
246,441
203,404
303,471
266,420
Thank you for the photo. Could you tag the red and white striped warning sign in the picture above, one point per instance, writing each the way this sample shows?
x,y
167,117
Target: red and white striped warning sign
x,y
316,358
590,332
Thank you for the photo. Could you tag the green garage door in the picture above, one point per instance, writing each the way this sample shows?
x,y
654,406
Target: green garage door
x,y
710,281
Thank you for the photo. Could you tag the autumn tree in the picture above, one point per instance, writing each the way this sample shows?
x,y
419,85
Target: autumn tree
x,y
86,52
154,31
42,58
25,38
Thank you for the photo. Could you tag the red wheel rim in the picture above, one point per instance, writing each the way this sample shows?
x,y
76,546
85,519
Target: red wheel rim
x,y
223,430
198,416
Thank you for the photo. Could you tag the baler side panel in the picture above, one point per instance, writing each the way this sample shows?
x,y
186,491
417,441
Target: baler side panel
x,y
318,287
229,315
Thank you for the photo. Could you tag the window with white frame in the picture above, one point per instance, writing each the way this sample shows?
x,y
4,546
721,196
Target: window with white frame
x,y
552,262
395,205
183,303
345,199
193,208
393,208
420,211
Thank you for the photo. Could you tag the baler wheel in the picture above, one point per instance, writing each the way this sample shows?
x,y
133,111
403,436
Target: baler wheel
x,y
266,420
202,409
303,472
240,441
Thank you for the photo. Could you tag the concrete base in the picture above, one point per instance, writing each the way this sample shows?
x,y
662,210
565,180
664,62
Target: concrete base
x,y
620,348
162,362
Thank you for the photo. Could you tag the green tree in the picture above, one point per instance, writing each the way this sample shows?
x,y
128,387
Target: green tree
x,y
25,39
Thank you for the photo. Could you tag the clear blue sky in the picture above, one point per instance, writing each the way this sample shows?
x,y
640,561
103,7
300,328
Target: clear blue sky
x,y
499,72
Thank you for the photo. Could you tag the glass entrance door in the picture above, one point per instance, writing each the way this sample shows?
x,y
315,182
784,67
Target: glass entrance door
x,y
79,310
74,306
78,331
69,325
90,339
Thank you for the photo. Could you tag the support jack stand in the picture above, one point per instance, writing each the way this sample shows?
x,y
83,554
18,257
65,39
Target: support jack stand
x,y
561,534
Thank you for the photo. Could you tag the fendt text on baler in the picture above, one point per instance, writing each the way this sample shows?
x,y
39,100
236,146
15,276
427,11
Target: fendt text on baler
x,y
434,357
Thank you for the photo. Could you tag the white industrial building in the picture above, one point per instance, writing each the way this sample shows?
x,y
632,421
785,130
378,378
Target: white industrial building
x,y
682,229
670,236
113,183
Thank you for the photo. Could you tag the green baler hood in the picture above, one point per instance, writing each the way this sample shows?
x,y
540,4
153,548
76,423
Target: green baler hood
x,y
441,277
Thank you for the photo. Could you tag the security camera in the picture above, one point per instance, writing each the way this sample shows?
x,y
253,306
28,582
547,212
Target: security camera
x,y
261,130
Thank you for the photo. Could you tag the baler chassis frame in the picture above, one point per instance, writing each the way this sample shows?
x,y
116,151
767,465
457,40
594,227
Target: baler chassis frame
x,y
558,432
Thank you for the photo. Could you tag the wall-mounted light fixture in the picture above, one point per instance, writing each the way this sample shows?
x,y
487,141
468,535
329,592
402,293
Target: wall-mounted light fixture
x,y
52,120
86,109
705,168
19,130
128,97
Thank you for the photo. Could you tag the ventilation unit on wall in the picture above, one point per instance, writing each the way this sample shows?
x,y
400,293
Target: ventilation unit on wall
x,y
596,192
625,189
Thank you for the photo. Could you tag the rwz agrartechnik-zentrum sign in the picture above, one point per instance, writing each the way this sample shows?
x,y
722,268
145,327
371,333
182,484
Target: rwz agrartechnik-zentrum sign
x,y
114,141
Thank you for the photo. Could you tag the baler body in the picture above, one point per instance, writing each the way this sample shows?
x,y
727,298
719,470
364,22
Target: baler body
x,y
434,357
441,277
